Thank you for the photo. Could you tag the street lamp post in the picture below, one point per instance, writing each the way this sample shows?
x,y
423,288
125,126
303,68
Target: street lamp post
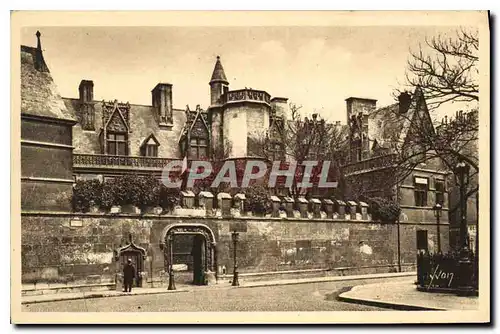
x,y
235,236
437,213
462,178
171,278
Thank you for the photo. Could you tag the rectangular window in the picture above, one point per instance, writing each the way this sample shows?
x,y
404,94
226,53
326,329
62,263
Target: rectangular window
x,y
117,143
421,187
199,148
151,150
439,191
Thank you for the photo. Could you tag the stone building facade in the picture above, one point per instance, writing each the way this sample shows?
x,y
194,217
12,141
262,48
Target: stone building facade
x,y
92,139
378,138
112,138
46,137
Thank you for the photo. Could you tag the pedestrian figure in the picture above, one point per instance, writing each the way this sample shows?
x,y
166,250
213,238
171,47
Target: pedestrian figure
x,y
128,276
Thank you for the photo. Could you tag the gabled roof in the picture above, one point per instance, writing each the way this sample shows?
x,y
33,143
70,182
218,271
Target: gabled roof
x,y
218,74
142,121
148,138
39,94
191,117
389,128
116,109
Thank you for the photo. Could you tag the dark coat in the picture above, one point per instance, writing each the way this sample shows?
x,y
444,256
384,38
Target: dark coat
x,y
128,272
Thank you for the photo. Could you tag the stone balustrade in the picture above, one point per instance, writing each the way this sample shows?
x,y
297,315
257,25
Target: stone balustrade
x,y
106,161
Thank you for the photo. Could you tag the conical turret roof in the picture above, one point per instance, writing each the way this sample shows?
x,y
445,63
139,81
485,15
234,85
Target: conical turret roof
x,y
218,75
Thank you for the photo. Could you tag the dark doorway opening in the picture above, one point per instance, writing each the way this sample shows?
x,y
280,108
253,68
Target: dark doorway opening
x,y
136,254
191,253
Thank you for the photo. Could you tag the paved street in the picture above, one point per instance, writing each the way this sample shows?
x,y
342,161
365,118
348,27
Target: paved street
x,y
299,297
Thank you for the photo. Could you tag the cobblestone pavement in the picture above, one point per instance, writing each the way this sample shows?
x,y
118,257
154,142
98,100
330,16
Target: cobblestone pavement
x,y
301,297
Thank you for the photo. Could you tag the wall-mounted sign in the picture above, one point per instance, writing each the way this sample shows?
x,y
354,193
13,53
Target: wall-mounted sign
x,y
76,223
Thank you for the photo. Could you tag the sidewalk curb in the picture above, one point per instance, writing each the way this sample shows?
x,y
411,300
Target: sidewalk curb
x,y
99,295
343,297
330,279
379,303
107,294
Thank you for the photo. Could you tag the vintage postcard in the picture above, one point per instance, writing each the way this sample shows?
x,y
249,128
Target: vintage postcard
x,y
250,167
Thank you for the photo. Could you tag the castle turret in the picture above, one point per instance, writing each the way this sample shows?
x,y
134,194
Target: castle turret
x,y
218,83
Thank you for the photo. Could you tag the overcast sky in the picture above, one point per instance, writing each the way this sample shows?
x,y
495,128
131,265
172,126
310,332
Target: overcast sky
x,y
317,67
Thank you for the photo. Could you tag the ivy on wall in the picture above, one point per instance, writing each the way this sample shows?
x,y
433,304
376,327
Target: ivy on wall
x,y
383,209
257,199
140,191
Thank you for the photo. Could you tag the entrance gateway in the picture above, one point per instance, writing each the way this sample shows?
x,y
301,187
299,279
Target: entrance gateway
x,y
135,253
203,250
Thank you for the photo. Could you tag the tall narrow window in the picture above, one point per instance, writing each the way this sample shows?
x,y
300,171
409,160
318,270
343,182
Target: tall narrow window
x,y
117,143
151,150
199,148
439,191
421,185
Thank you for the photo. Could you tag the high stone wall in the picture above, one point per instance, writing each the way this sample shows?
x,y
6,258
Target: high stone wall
x,y
77,248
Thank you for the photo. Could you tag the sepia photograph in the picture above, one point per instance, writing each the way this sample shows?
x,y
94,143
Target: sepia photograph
x,y
295,162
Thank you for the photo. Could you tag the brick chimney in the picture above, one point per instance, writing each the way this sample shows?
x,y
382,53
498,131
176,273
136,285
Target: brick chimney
x,y
280,106
404,102
86,90
162,102
357,105
87,110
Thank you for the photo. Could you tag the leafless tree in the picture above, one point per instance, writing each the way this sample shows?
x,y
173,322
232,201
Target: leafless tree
x,y
446,68
299,139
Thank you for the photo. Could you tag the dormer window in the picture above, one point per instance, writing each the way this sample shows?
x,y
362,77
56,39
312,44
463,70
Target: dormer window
x,y
149,147
151,150
117,143
199,148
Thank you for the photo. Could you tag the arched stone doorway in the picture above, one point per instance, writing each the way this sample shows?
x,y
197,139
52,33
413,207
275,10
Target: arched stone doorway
x,y
136,254
203,249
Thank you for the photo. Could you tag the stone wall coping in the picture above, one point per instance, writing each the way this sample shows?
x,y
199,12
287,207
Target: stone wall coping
x,y
239,196
302,200
327,201
288,199
340,202
206,194
363,204
352,203
223,196
177,217
275,199
315,200
187,193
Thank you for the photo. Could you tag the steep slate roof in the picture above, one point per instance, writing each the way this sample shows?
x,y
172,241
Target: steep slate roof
x,y
39,93
218,73
143,123
389,128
